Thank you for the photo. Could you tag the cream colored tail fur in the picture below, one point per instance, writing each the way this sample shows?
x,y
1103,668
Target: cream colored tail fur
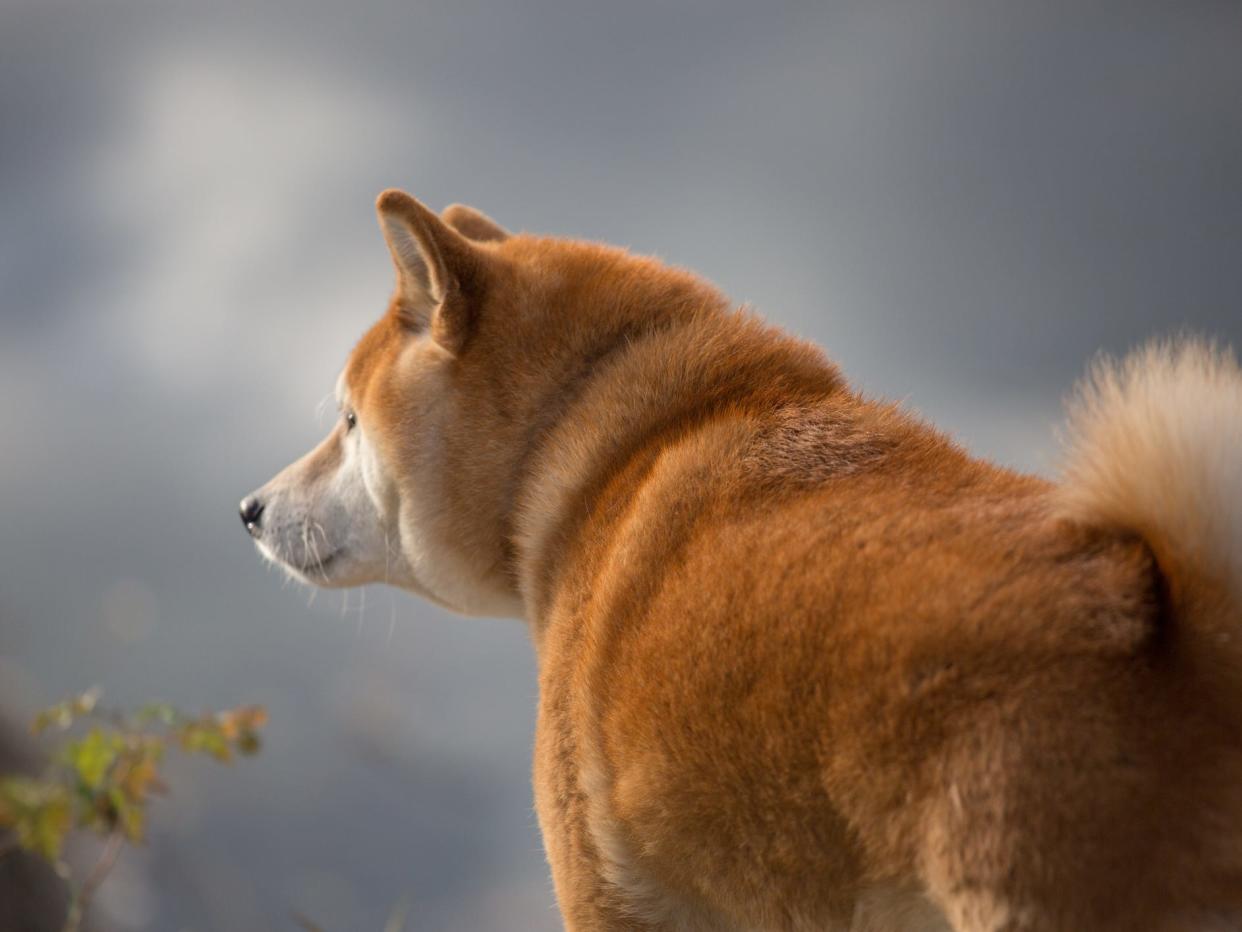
x,y
1155,446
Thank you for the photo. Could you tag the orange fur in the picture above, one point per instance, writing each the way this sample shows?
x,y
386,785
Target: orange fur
x,y
804,663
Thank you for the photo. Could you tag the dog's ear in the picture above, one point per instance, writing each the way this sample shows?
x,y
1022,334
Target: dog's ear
x,y
441,276
474,224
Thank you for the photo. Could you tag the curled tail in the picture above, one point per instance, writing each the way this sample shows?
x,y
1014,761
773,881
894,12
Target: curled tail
x,y
1155,447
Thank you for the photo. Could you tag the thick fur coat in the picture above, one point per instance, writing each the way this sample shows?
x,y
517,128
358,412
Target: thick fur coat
x,y
804,663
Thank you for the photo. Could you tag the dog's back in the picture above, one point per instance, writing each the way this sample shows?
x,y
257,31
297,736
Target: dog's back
x,y
808,658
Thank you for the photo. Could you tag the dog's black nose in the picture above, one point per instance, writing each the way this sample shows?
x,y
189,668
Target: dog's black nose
x,y
251,511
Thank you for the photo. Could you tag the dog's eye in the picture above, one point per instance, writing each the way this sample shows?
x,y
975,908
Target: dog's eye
x,y
351,421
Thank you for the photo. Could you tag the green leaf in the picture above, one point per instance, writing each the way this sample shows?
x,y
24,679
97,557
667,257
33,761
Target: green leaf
x,y
92,756
208,739
39,813
50,825
129,814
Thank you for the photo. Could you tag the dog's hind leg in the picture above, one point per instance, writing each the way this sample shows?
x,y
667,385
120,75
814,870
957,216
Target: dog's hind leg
x,y
592,901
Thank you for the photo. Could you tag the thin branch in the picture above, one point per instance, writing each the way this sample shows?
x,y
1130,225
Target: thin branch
x,y
81,898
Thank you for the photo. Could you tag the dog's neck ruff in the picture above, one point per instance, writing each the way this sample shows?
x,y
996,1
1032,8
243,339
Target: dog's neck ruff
x,y
622,399
554,467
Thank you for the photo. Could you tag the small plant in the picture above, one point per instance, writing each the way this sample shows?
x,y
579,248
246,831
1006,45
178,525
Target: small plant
x,y
99,782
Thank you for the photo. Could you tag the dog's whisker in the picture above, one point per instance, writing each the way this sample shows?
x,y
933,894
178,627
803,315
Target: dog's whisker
x,y
392,597
306,543
318,558
362,610
323,405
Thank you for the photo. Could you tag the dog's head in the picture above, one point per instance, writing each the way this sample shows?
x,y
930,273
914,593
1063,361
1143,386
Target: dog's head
x,y
375,500
445,404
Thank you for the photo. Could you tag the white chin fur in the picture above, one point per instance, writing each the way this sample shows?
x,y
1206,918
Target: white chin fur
x,y
342,500
315,573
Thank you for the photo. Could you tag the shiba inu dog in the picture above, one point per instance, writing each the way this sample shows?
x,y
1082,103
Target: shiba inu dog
x,y
804,663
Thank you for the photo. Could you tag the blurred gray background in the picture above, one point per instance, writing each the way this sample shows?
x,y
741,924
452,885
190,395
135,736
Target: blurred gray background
x,y
962,201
